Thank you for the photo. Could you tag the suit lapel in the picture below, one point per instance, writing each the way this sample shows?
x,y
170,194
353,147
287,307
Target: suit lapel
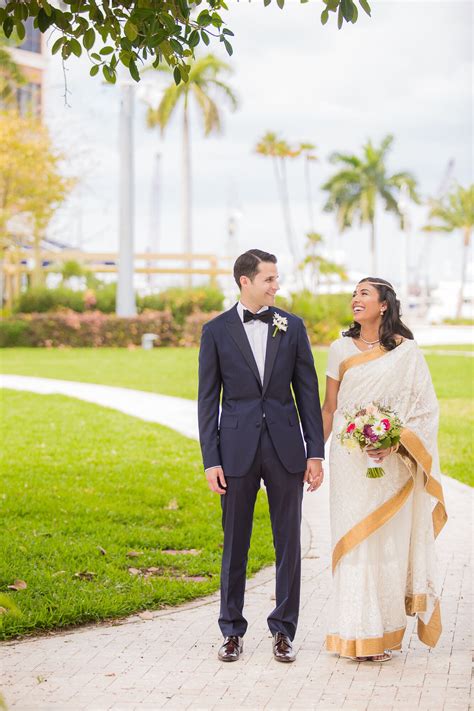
x,y
273,345
236,329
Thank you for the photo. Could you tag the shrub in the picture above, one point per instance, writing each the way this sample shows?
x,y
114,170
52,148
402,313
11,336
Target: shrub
x,y
325,315
13,332
182,302
93,328
41,300
193,327
105,297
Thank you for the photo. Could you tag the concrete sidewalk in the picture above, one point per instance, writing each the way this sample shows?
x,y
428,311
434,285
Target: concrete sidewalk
x,y
170,662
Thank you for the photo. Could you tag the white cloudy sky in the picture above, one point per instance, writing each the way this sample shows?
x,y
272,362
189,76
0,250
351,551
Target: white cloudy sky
x,y
406,71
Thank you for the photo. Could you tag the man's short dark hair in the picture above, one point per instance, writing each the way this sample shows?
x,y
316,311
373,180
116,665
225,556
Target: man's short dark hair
x,y
247,264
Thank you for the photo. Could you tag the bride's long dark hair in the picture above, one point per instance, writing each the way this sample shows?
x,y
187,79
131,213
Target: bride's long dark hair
x,y
391,324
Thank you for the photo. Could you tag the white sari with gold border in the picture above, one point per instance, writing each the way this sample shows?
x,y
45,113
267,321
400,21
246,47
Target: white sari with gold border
x,y
383,530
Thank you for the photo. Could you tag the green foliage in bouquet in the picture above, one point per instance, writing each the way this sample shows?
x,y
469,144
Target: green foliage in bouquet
x,y
373,426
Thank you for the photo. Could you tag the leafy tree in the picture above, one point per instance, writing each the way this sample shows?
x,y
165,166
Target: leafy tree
x,y
11,76
31,183
355,188
69,270
452,213
133,32
204,83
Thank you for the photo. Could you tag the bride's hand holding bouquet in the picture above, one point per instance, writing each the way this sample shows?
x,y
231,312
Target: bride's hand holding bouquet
x,y
376,430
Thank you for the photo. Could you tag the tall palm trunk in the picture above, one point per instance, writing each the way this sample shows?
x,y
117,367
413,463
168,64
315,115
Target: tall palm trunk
x,y
287,212
373,253
464,257
309,197
187,195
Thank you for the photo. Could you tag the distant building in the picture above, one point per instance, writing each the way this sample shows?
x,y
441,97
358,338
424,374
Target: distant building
x,y
30,57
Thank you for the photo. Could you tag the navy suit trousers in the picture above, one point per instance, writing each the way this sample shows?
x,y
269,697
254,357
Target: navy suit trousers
x,y
285,496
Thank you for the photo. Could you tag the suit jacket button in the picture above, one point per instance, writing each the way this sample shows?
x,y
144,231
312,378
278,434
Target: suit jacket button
x,y
257,424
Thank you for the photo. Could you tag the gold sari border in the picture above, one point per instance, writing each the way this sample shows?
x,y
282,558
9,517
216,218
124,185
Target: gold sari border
x,y
417,450
371,523
364,647
416,603
359,358
430,633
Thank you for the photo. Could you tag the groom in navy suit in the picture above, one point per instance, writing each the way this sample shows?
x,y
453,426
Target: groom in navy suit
x,y
253,355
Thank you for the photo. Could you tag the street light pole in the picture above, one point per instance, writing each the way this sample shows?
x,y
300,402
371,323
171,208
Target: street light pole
x,y
125,302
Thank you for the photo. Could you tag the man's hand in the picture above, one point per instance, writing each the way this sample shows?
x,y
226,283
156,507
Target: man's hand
x,y
216,480
314,474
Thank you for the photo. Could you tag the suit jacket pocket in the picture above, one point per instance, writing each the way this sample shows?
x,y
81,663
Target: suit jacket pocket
x,y
229,421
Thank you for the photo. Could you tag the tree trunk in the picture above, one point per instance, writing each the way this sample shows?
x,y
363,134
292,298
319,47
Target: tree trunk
x,y
465,254
187,196
309,196
287,213
373,254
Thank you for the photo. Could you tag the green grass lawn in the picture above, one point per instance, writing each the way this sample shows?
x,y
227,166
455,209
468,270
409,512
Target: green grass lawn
x,y
77,495
173,371
468,347
170,371
82,486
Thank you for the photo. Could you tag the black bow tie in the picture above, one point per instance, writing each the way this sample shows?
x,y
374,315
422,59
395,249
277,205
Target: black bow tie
x,y
264,316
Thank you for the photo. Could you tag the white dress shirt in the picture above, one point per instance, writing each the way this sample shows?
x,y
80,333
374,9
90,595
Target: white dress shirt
x,y
257,333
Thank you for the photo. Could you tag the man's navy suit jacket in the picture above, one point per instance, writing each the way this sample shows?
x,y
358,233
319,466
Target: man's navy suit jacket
x,y
227,366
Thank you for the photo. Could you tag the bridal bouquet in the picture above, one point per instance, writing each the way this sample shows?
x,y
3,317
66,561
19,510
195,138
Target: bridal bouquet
x,y
374,426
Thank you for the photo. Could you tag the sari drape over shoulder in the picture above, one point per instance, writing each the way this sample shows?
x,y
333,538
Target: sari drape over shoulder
x,y
384,530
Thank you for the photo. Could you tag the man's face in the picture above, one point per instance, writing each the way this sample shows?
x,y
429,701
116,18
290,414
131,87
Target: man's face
x,y
262,290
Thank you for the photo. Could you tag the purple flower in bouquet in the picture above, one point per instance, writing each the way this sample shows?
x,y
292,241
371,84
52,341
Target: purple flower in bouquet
x,y
369,433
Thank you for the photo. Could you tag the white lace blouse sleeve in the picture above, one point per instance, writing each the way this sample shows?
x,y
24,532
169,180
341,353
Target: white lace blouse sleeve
x,y
334,360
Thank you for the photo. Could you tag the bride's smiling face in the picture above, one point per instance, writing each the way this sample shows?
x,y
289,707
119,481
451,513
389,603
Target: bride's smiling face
x,y
366,304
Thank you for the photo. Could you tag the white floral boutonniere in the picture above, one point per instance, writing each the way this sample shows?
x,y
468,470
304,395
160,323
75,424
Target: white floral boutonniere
x,y
280,323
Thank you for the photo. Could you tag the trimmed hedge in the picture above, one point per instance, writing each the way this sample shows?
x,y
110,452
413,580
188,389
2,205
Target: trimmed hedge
x,y
182,301
325,316
40,299
193,327
95,329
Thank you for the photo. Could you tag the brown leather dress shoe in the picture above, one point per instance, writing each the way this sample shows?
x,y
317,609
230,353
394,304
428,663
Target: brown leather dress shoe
x,y
282,648
231,649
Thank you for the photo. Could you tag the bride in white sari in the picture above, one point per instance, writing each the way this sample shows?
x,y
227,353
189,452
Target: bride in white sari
x,y
383,530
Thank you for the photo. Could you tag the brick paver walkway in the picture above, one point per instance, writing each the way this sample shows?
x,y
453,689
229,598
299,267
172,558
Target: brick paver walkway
x,y
170,661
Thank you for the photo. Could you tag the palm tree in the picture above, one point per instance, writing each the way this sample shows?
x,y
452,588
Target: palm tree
x,y
355,188
270,145
455,212
317,265
308,152
203,81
